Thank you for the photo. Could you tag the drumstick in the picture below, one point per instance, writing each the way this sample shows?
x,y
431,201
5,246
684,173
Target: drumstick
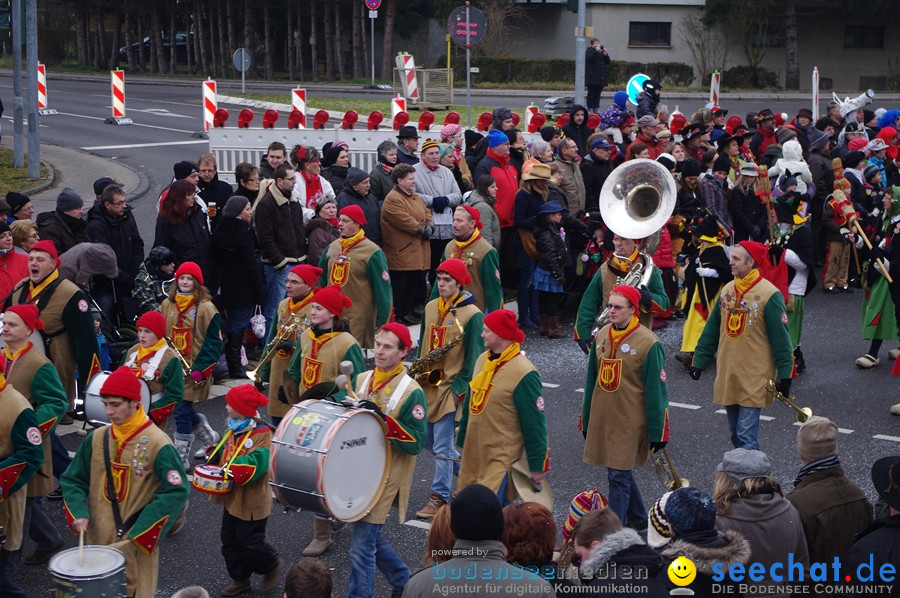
x,y
346,368
81,548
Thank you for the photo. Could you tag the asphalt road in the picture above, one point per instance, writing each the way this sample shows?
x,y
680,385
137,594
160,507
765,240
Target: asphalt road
x,y
857,400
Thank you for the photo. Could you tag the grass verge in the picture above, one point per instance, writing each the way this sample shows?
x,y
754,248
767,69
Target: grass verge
x,y
16,179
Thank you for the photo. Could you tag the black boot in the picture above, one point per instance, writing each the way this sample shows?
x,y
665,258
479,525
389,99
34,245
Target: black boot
x,y
798,360
233,355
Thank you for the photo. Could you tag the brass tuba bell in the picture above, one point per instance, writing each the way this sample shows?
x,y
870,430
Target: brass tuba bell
x,y
638,198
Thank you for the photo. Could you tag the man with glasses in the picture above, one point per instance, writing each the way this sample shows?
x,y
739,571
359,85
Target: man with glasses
x,y
281,236
624,414
111,221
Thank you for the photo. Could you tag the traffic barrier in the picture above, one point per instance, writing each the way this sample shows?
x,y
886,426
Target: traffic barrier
x,y
320,119
407,67
537,121
563,120
296,120
220,117
375,119
398,105
484,121
516,119
42,86
452,118
118,93
714,82
244,118
350,118
298,102
593,121
209,103
270,116
426,120
400,119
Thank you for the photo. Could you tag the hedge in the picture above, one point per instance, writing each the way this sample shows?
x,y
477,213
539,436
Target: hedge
x,y
503,69
746,77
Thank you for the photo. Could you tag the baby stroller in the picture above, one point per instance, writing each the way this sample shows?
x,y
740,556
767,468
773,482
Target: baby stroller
x,y
82,264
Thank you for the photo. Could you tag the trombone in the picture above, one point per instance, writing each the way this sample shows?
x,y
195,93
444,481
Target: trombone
x,y
803,413
185,366
297,322
665,471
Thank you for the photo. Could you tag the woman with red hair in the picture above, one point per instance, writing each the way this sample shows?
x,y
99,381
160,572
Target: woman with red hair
x,y
182,226
529,534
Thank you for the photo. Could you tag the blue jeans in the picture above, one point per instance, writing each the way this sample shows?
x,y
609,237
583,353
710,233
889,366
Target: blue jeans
x,y
501,491
8,586
368,549
743,422
275,292
185,418
38,526
624,497
60,454
440,444
238,318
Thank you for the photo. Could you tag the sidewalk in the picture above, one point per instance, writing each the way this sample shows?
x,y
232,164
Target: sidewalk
x,y
79,170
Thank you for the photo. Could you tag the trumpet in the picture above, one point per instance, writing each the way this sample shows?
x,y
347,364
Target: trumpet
x,y
421,370
665,471
803,413
185,366
296,323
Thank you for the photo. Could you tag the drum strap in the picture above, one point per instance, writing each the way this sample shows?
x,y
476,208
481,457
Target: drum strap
x,y
395,396
153,364
110,490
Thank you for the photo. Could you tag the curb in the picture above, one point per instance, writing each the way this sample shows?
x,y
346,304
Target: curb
x,y
142,187
44,185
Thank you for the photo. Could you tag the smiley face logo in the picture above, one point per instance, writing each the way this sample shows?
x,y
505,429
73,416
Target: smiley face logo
x,y
682,571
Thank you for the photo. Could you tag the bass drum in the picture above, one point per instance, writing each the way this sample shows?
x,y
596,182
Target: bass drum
x,y
93,406
330,460
100,574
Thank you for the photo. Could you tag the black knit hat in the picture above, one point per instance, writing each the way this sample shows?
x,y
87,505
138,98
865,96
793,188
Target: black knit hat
x,y
16,201
476,514
690,510
690,167
722,164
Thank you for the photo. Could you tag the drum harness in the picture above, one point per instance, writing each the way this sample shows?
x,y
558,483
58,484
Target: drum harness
x,y
121,527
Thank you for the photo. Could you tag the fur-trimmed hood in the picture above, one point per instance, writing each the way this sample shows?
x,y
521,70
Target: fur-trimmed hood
x,y
735,550
624,547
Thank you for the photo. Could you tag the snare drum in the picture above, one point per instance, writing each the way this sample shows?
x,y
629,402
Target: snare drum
x,y
93,406
329,459
101,574
210,479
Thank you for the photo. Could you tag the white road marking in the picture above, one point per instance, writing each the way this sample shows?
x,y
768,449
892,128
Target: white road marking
x,y
841,430
765,418
160,112
136,145
885,437
420,524
549,385
135,124
683,405
579,390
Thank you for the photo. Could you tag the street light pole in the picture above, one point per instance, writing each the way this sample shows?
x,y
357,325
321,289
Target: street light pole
x,y
31,62
579,55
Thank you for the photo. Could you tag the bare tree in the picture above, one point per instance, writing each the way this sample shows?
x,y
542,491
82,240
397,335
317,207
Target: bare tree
x,y
267,35
708,45
504,20
250,36
116,40
387,47
338,42
791,46
356,39
162,64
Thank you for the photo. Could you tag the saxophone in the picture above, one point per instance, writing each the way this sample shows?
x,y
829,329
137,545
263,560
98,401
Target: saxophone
x,y
422,368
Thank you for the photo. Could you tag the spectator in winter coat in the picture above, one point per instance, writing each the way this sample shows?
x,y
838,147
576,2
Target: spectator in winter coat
x,y
309,185
335,165
483,199
577,128
380,177
572,180
647,135
407,145
246,176
64,226
648,99
212,190
713,191
322,230
792,161
596,75
595,168
765,133
182,226
749,215
276,155
357,190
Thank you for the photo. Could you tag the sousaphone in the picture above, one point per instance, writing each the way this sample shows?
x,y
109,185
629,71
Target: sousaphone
x,y
638,198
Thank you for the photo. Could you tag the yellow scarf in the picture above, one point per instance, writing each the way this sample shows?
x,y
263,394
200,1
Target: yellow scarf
x,y
379,381
482,381
295,305
445,306
34,291
152,349
12,357
461,245
123,432
742,285
349,242
617,336
183,302
623,265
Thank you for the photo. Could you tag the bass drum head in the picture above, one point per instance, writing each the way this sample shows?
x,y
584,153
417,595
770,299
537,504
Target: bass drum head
x,y
93,406
356,466
100,562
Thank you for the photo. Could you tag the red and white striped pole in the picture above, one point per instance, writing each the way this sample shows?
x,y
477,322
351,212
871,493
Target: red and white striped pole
x,y
298,103
209,103
714,88
118,93
42,86
398,105
406,65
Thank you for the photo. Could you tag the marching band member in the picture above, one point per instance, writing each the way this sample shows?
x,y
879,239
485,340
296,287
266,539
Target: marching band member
x,y
317,358
21,456
360,268
481,259
67,319
398,399
149,485
625,412
195,326
453,314
705,275
506,388
299,286
32,374
750,319
245,454
156,363
625,256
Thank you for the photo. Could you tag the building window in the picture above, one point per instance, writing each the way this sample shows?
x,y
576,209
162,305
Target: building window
x,y
867,37
642,33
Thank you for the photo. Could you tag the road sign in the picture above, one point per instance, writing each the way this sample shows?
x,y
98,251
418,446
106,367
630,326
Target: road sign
x,y
242,60
457,26
373,4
